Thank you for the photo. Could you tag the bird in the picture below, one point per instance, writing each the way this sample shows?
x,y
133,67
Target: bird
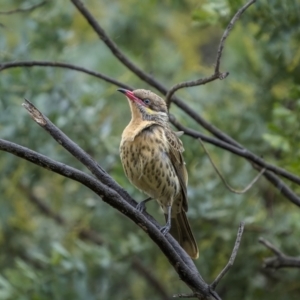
x,y
151,155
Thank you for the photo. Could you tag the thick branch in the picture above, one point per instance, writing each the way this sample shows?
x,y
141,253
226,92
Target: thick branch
x,y
113,47
176,256
280,260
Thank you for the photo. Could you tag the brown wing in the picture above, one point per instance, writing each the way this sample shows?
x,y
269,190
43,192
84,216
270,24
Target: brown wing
x,y
175,154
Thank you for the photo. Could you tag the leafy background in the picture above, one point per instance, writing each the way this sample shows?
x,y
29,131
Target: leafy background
x,y
258,105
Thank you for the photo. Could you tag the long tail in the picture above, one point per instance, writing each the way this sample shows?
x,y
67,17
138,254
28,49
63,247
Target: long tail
x,y
181,231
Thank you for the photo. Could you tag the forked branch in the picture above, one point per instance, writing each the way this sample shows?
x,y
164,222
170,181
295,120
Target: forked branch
x,y
280,260
217,74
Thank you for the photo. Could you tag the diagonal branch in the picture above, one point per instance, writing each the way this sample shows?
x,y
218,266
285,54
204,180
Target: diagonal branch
x,y
94,237
113,47
280,260
232,257
177,257
23,10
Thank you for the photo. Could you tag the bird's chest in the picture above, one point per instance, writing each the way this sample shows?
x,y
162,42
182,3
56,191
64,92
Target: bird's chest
x,y
145,159
143,154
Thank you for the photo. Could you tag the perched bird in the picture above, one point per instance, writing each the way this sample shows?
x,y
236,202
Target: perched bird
x,y
151,155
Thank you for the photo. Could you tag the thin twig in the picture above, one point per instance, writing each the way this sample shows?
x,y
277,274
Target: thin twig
x,y
270,246
23,10
217,74
227,31
34,63
232,257
223,179
280,260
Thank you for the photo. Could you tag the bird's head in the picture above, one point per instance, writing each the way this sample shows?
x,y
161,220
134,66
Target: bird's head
x,y
150,106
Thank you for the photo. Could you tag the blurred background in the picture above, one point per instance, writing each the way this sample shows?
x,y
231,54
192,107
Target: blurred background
x,y
45,218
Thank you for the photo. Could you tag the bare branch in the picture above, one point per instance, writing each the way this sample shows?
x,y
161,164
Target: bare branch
x,y
181,262
23,10
192,83
227,31
34,63
217,74
232,257
223,179
280,260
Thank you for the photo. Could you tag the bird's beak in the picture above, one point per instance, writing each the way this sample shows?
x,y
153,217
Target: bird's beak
x,y
129,94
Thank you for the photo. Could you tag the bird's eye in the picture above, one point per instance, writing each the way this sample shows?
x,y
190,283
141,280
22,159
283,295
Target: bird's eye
x,y
146,101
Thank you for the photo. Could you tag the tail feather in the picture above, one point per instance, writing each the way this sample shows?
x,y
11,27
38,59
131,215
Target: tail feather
x,y
181,231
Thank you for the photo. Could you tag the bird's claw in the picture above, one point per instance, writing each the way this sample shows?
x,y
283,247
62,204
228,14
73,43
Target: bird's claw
x,y
141,207
165,229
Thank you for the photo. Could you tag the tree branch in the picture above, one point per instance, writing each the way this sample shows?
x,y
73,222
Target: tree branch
x,y
232,257
280,260
217,74
171,249
34,63
227,31
23,10
113,47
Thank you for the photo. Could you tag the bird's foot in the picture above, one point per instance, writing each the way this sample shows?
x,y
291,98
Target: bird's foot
x,y
165,229
141,207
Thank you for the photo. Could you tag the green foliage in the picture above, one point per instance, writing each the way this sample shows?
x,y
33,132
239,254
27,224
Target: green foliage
x,y
258,105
